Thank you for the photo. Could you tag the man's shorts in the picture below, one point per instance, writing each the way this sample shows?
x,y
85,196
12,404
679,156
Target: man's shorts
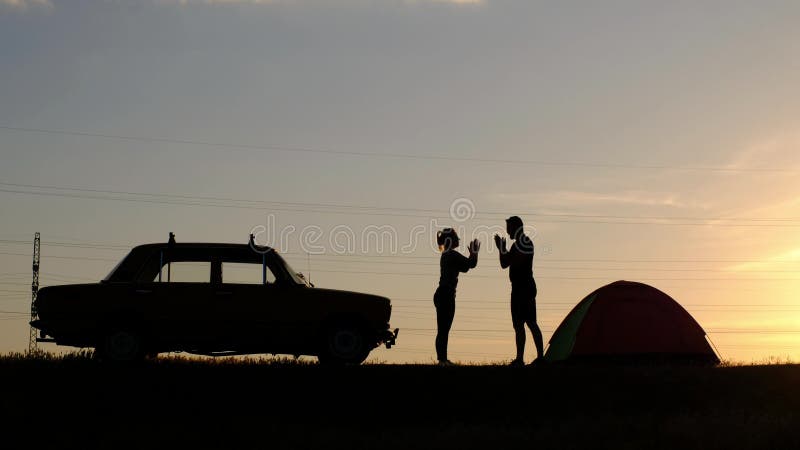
x,y
523,303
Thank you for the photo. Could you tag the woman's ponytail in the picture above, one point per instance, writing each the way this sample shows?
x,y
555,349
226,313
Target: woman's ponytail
x,y
446,238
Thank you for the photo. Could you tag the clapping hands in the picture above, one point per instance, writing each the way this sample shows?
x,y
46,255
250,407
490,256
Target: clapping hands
x,y
474,246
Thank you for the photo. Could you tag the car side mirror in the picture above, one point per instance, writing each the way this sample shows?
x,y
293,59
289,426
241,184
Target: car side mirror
x,y
300,274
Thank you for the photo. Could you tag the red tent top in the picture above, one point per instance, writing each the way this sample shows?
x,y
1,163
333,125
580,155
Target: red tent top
x,y
630,318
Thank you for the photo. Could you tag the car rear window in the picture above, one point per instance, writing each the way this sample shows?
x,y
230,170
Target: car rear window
x,y
186,272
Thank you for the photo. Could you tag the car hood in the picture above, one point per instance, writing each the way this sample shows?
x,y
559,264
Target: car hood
x,y
51,291
340,293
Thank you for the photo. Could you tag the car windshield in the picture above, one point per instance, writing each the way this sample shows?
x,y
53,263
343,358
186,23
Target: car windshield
x,y
296,277
108,277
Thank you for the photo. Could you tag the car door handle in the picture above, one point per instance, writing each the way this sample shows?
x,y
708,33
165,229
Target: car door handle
x,y
144,291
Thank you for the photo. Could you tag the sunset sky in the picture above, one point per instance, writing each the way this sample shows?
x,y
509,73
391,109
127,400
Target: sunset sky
x,y
640,140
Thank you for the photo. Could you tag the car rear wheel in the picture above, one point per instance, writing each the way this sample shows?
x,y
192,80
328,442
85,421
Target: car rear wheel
x,y
121,346
344,344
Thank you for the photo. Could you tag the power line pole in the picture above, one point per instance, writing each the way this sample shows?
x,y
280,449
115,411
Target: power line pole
x,y
32,344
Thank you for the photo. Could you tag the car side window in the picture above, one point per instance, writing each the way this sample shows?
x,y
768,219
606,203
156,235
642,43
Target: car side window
x,y
186,272
245,273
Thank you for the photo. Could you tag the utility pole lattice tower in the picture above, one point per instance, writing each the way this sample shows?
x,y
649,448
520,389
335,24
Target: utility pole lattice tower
x,y
32,344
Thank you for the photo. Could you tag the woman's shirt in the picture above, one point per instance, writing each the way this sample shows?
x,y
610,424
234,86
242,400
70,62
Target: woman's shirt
x,y
451,263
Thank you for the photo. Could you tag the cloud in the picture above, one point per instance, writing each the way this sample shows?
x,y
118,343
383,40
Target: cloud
x,y
457,2
226,2
46,5
773,262
268,2
25,5
581,198
777,151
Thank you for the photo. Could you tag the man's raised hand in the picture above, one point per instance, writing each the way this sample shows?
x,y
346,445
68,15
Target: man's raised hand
x,y
500,243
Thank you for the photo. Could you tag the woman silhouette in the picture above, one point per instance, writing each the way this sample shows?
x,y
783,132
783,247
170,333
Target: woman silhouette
x,y
450,263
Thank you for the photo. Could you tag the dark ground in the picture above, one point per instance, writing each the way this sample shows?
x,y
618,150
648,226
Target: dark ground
x,y
80,403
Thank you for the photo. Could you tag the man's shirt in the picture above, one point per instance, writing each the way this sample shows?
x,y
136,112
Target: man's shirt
x,y
519,260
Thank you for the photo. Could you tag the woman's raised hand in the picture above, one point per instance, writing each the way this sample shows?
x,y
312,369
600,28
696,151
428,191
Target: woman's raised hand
x,y
475,246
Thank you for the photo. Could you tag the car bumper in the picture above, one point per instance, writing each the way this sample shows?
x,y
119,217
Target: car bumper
x,y
389,337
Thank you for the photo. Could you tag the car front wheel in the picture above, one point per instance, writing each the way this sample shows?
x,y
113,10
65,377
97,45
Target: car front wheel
x,y
121,346
344,344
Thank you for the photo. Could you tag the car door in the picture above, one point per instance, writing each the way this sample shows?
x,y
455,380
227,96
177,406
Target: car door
x,y
179,303
245,300
270,311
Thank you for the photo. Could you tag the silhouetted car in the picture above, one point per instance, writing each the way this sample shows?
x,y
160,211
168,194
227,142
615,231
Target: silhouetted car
x,y
212,299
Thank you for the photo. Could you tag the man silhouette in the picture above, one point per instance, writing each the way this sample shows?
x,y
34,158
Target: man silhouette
x,y
519,260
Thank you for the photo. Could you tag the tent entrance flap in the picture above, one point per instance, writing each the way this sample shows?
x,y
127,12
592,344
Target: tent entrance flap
x,y
563,339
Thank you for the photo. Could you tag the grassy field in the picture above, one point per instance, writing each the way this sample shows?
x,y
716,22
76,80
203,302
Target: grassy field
x,y
76,402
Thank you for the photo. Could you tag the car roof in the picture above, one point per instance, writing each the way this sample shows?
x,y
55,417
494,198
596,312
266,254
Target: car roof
x,y
201,245
142,256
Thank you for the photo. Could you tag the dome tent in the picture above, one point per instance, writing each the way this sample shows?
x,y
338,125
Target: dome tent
x,y
627,320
